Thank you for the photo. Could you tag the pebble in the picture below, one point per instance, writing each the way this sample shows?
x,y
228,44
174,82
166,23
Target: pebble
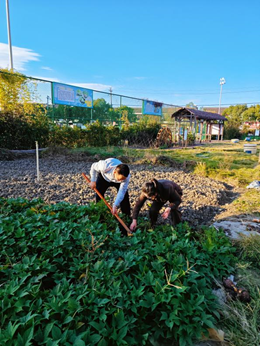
x,y
61,180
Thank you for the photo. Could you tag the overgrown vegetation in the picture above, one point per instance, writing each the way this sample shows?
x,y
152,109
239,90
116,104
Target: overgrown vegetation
x,y
22,120
68,277
241,321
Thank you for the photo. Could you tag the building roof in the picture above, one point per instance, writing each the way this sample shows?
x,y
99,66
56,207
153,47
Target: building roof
x,y
200,115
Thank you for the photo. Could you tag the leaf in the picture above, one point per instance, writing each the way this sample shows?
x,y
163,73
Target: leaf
x,y
56,333
102,342
11,329
47,330
27,318
96,325
120,319
28,335
122,333
73,304
53,343
94,338
79,342
209,323
67,319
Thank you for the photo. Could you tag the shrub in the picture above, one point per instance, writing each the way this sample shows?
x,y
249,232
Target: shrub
x,y
141,133
231,132
21,132
68,137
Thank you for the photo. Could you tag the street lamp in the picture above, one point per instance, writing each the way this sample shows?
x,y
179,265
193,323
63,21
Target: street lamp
x,y
222,81
9,35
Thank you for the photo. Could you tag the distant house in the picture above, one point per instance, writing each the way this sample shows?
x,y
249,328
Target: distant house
x,y
253,125
203,125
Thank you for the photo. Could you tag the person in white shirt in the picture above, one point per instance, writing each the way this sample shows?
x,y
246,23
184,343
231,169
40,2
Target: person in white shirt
x,y
112,172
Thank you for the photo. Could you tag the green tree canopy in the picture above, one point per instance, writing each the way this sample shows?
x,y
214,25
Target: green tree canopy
x,y
17,94
191,105
252,113
234,114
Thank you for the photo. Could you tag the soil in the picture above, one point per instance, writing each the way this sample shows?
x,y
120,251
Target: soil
x,y
204,199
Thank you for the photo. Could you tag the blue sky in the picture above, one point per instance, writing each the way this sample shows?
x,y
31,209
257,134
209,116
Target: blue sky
x,y
169,51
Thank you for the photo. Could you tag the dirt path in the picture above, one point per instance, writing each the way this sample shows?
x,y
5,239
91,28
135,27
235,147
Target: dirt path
x,y
61,180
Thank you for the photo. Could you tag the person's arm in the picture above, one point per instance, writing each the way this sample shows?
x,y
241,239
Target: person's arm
x,y
138,206
175,201
96,167
121,192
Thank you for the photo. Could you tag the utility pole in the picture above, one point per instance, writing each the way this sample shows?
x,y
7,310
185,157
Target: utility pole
x,y
9,35
222,82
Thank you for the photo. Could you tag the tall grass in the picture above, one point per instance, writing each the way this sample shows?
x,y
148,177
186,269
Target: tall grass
x,y
241,321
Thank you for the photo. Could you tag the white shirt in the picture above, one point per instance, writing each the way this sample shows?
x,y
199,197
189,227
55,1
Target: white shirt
x,y
107,168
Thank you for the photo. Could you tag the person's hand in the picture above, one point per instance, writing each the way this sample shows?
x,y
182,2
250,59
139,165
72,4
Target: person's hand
x,y
114,210
133,225
166,213
93,185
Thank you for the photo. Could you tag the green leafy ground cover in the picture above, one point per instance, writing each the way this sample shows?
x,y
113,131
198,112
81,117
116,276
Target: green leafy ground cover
x,y
67,277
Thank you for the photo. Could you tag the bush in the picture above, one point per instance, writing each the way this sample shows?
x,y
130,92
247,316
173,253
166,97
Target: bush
x,y
68,137
231,132
21,132
141,134
100,136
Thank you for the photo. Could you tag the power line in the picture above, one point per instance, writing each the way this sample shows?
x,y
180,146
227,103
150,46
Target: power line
x,y
228,104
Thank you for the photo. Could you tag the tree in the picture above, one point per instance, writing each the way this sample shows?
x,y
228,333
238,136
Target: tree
x,y
101,110
252,113
17,94
191,105
234,114
126,115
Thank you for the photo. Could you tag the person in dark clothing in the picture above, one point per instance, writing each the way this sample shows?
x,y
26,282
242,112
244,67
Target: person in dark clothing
x,y
160,192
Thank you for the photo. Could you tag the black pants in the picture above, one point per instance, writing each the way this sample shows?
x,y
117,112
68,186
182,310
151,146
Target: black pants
x,y
102,185
175,214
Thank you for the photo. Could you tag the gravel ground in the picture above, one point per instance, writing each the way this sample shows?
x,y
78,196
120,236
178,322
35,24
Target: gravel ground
x,y
61,180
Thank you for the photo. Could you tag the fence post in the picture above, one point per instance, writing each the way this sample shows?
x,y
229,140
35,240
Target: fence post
x,y
37,161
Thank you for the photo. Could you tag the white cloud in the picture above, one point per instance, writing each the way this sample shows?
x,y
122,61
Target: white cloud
x,y
47,79
46,68
21,56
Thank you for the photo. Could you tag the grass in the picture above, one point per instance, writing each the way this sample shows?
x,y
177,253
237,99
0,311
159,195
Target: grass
x,y
241,321
248,202
222,161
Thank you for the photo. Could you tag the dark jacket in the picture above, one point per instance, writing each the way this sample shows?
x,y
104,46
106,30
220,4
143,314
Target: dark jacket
x,y
166,191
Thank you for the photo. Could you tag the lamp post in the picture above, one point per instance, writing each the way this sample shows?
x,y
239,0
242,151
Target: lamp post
x,y
9,35
222,82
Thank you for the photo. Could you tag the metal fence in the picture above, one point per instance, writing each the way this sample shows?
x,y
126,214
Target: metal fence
x,y
72,115
79,117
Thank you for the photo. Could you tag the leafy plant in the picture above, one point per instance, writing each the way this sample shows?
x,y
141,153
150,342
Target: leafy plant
x,y
69,278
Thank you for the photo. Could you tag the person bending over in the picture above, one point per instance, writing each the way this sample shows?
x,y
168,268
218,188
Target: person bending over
x,y
112,172
160,192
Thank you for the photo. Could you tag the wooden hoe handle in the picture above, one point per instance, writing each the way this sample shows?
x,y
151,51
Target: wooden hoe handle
x,y
129,233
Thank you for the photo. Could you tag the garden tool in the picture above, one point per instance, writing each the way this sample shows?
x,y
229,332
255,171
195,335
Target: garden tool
x,y
129,233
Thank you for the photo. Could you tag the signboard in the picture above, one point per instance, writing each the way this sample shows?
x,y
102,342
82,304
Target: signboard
x,y
185,137
215,129
71,95
152,108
